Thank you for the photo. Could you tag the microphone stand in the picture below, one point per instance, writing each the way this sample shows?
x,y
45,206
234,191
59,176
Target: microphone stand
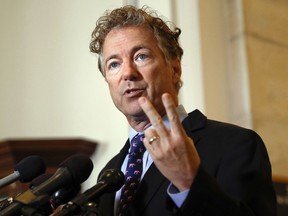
x,y
90,209
32,209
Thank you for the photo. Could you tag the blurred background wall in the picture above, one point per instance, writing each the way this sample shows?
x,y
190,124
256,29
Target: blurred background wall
x,y
235,69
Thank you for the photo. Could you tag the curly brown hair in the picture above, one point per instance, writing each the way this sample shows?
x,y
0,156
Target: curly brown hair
x,y
132,16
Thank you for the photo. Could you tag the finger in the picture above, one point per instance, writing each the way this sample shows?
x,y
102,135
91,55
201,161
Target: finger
x,y
153,115
150,134
175,124
151,139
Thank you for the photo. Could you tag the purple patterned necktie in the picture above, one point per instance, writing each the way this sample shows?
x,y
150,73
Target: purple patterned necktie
x,y
132,174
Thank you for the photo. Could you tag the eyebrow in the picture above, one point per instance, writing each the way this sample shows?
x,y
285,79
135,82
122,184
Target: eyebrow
x,y
109,58
139,47
133,50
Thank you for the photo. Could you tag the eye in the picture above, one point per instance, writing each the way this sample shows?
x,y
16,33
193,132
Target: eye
x,y
141,57
113,65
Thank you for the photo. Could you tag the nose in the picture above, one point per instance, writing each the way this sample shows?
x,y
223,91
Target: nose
x,y
130,71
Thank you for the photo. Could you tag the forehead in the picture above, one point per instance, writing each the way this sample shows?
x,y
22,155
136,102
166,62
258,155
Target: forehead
x,y
128,37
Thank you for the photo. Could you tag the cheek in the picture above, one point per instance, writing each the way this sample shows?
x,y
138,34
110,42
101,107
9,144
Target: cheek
x,y
161,79
112,83
112,89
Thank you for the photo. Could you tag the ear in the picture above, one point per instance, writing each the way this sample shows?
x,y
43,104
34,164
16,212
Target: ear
x,y
177,70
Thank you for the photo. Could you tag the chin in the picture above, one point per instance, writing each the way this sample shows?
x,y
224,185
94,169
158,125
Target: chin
x,y
134,113
137,111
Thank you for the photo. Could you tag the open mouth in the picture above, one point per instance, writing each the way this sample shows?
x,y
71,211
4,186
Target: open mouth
x,y
134,92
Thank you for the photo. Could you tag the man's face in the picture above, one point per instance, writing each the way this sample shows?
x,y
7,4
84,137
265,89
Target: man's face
x,y
135,66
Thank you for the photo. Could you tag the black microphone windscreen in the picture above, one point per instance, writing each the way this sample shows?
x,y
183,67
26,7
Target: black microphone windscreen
x,y
113,178
30,167
64,195
80,167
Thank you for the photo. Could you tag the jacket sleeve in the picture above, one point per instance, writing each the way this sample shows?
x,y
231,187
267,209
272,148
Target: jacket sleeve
x,y
242,184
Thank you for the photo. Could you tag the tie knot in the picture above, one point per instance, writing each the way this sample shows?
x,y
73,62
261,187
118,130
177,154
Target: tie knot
x,y
137,145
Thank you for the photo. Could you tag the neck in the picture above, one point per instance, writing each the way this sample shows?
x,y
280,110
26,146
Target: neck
x,y
142,122
139,124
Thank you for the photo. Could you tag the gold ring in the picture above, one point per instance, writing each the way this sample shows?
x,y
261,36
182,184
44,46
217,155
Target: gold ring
x,y
153,139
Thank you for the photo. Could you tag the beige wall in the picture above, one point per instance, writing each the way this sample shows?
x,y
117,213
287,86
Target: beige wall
x,y
225,74
266,35
244,47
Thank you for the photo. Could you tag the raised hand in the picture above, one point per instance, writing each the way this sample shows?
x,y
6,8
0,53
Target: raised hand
x,y
172,151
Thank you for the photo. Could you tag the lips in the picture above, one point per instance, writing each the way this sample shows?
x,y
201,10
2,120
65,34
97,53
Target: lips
x,y
134,92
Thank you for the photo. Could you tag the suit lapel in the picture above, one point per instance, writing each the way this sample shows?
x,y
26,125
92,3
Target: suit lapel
x,y
150,184
122,154
194,122
108,199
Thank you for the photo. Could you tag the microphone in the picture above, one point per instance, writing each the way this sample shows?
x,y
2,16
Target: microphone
x,y
111,180
39,180
58,198
42,205
64,195
74,170
27,169
36,181
46,205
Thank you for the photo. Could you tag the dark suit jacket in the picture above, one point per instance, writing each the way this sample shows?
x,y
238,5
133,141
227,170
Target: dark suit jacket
x,y
234,177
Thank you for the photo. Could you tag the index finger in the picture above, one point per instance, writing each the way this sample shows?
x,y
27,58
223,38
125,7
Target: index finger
x,y
171,113
153,115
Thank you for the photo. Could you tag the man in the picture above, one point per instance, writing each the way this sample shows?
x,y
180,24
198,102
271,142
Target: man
x,y
192,165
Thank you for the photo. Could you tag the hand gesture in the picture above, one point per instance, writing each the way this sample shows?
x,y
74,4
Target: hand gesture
x,y
172,151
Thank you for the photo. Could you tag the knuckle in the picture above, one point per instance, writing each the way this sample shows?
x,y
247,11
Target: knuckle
x,y
158,120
